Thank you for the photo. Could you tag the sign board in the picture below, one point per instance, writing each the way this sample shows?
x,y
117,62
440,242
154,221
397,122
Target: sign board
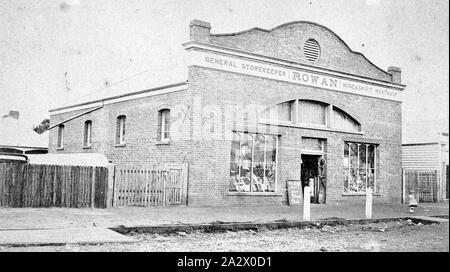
x,y
295,192
293,75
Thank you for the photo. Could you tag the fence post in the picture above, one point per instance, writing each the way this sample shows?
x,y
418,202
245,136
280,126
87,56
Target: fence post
x,y
307,203
184,188
403,186
93,187
416,188
164,176
369,203
110,186
431,185
434,180
54,185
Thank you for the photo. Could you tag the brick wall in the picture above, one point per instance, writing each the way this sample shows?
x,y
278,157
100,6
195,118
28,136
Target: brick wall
x,y
141,143
286,42
216,103
380,121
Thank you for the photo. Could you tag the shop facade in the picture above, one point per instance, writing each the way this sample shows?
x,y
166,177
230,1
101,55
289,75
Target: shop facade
x,y
259,108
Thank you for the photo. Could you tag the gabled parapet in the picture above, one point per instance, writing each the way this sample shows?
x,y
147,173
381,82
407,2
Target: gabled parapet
x,y
300,42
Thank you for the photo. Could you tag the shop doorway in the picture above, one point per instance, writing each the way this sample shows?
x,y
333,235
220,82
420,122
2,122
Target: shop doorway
x,y
313,174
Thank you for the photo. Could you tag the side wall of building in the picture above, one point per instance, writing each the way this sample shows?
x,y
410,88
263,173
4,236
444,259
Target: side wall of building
x,y
428,157
141,127
423,156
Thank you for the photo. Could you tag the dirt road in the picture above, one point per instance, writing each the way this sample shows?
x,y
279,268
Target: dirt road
x,y
390,236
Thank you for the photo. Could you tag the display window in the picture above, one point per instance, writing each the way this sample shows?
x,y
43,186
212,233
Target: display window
x,y
253,163
359,167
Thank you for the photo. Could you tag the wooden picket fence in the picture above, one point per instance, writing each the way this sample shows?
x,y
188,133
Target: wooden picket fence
x,y
150,185
423,182
27,185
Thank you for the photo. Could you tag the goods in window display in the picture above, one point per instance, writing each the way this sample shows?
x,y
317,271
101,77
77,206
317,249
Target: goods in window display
x,y
359,167
253,163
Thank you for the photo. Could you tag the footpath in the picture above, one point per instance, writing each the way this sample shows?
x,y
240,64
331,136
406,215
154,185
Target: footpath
x,y
23,226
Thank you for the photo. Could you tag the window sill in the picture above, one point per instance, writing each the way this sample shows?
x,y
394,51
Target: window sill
x,y
119,145
359,194
87,147
254,194
60,148
166,142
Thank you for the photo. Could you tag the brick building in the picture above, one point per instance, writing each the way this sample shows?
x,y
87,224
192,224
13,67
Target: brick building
x,y
258,108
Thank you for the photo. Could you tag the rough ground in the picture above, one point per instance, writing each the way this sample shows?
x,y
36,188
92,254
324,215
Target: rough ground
x,y
389,236
26,218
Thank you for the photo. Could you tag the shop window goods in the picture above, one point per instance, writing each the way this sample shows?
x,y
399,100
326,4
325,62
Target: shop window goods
x,y
253,165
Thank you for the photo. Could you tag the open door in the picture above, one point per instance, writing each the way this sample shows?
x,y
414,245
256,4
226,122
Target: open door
x,y
313,174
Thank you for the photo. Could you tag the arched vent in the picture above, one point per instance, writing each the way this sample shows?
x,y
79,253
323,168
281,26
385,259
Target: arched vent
x,y
311,50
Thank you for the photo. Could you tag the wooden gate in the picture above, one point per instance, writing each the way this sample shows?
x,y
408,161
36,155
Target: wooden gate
x,y
423,182
150,185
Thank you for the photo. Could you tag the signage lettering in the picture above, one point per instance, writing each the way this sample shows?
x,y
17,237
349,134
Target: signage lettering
x,y
313,79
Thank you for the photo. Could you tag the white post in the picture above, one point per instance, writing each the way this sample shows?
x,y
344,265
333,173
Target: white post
x,y
110,191
306,203
403,187
93,187
369,203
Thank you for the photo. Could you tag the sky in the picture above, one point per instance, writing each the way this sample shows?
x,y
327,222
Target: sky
x,y
56,52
